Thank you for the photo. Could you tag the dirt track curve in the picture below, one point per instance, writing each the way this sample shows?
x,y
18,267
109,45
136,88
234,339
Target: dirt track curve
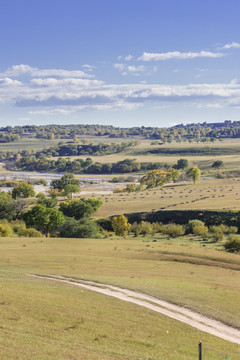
x,y
176,312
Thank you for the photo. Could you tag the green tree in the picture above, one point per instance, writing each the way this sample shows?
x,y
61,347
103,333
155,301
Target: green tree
x,y
6,206
67,179
194,173
181,164
120,225
83,228
23,190
44,219
80,208
71,189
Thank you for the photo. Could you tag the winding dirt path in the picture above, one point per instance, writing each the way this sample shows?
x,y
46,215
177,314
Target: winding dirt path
x,y
176,312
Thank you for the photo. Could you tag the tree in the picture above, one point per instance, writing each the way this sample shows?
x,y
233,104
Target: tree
x,y
181,164
44,219
6,206
159,177
194,173
23,190
120,225
70,189
80,208
217,164
67,179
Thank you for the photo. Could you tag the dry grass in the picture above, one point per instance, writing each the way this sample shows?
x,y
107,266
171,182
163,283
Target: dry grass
x,y
206,194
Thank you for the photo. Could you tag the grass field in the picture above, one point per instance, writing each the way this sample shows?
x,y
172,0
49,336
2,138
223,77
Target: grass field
x,y
45,320
206,194
28,144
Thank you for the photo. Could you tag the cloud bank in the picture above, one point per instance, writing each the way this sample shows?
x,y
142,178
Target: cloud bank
x,y
63,91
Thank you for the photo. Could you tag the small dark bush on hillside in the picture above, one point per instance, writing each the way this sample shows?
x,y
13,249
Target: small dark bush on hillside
x,y
233,244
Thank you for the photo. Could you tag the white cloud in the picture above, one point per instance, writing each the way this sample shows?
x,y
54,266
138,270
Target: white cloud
x,y
132,69
89,67
63,95
9,82
178,55
120,67
128,57
19,70
234,45
66,82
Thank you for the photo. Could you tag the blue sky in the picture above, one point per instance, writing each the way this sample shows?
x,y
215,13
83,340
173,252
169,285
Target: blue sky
x,y
119,62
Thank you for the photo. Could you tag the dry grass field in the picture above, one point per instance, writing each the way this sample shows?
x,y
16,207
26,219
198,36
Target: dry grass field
x,y
205,194
41,319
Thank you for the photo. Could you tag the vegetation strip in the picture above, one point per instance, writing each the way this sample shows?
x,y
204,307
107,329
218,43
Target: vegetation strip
x,y
179,313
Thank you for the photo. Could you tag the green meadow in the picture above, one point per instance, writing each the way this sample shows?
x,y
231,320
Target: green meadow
x,y
41,319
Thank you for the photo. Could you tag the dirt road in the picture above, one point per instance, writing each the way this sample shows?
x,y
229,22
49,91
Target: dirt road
x,y
179,313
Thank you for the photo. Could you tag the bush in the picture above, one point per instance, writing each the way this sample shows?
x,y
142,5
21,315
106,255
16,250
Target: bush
x,y
232,229
135,228
200,230
233,244
5,230
84,228
145,228
217,232
173,230
192,224
30,232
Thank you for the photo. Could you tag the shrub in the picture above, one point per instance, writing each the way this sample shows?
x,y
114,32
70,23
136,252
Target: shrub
x,y
135,228
200,230
173,230
5,230
232,229
83,228
216,232
145,228
192,224
30,232
233,244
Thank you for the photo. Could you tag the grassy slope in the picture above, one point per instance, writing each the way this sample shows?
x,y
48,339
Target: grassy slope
x,y
45,320
206,194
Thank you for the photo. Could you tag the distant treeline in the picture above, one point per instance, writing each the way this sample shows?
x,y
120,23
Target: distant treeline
x,y
68,149
207,131
80,166
73,149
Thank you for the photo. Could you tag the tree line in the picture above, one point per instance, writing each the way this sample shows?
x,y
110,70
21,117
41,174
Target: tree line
x,y
207,131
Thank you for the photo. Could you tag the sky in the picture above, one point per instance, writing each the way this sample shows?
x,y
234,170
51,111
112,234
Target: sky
x,y
119,62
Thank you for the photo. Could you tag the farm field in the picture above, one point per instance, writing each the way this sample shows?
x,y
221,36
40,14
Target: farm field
x,y
28,144
41,319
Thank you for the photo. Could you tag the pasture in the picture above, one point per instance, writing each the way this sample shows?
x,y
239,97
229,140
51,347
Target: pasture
x,y
214,194
41,319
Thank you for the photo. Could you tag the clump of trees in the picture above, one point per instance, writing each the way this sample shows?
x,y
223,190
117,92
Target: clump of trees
x,y
156,178
68,185
72,218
